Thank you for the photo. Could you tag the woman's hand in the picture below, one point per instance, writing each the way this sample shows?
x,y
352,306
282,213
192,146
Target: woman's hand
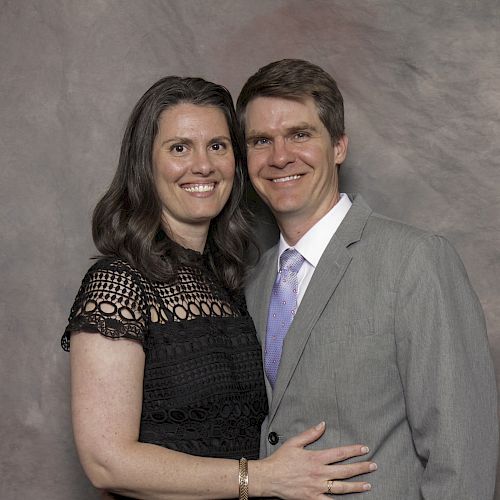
x,y
293,473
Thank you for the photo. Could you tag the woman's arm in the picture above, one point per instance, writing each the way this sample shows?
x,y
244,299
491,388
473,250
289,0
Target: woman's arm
x,y
106,383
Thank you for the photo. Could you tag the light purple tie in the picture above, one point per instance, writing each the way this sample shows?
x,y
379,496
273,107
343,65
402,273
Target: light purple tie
x,y
282,309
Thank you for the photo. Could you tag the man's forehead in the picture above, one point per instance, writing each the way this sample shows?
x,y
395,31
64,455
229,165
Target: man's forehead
x,y
285,112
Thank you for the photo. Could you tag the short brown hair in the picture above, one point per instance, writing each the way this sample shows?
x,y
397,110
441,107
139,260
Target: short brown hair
x,y
297,79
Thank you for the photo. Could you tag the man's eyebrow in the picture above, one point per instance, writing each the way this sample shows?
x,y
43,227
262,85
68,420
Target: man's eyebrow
x,y
254,134
299,127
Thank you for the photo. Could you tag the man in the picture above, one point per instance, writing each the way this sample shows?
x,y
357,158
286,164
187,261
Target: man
x,y
388,342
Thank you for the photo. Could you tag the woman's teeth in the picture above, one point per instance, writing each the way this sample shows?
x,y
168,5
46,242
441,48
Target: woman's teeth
x,y
199,188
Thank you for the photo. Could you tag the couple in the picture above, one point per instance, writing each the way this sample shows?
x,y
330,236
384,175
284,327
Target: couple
x,y
387,345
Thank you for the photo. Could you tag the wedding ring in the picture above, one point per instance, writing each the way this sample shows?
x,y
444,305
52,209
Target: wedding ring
x,y
329,485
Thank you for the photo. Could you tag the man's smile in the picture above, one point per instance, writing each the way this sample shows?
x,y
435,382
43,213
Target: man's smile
x,y
287,178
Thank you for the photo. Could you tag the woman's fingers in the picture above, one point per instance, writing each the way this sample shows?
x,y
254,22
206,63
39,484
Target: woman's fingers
x,y
336,472
341,453
331,455
343,487
306,473
346,471
308,436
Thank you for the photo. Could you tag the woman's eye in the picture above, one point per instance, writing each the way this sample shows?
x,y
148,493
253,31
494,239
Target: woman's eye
x,y
218,146
178,148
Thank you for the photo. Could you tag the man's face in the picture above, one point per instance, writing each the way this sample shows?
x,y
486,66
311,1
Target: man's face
x,y
292,162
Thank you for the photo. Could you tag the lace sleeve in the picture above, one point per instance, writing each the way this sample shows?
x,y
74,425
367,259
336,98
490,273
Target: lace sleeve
x,y
110,302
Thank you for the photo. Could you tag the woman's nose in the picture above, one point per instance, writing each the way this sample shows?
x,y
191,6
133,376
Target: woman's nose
x,y
202,163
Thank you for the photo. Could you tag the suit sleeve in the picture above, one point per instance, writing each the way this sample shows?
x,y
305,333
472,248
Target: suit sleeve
x,y
447,374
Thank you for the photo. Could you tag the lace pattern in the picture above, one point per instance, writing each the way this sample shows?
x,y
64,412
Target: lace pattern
x,y
116,301
203,389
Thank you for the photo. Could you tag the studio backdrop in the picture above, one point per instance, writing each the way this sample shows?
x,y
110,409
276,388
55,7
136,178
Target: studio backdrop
x,y
420,82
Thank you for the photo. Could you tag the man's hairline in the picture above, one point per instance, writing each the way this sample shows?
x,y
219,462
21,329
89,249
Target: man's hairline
x,y
299,98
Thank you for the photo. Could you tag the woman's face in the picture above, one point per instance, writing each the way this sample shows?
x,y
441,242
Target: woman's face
x,y
193,166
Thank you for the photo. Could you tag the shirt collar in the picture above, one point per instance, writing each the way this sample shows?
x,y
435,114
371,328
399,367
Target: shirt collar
x,y
312,245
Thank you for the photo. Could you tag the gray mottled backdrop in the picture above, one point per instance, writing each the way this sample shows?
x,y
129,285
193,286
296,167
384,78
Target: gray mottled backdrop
x,y
421,84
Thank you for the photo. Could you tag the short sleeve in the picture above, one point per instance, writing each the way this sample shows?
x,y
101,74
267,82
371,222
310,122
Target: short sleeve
x,y
111,302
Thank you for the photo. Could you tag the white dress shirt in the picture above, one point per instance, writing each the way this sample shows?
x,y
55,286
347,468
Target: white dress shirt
x,y
312,245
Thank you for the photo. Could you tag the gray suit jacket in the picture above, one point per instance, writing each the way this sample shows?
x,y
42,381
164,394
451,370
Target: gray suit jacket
x,y
389,347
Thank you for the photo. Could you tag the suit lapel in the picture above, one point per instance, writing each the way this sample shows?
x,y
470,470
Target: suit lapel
x,y
260,291
327,275
258,298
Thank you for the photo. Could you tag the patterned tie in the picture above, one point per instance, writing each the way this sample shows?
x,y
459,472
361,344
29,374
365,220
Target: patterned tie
x,y
281,310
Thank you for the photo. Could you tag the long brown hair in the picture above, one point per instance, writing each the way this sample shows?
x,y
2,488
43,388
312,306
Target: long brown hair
x,y
127,220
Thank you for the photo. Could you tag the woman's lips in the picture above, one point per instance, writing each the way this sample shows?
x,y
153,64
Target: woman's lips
x,y
199,188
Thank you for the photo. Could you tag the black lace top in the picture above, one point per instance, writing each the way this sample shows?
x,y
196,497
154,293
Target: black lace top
x,y
203,383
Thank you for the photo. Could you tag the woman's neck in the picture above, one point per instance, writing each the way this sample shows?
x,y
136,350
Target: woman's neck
x,y
190,236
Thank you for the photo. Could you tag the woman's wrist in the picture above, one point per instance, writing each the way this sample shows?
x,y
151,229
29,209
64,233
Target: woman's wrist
x,y
256,478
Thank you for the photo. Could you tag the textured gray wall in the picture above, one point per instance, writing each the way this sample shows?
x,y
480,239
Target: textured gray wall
x,y
420,80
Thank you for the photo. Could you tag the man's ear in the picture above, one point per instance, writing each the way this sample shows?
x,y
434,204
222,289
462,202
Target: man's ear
x,y
341,149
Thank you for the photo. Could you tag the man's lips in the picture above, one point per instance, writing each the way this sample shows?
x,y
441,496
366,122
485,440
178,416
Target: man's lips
x,y
287,178
199,187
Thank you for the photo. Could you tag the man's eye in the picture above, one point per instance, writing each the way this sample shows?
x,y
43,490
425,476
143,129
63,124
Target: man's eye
x,y
260,141
301,135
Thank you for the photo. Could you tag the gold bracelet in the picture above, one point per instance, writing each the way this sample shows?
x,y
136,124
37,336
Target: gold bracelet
x,y
243,478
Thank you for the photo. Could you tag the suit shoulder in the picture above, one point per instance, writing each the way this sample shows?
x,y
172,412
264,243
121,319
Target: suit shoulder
x,y
404,240
390,227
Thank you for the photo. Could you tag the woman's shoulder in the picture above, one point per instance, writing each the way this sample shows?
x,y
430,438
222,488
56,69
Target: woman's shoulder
x,y
113,279
114,269
104,263
111,301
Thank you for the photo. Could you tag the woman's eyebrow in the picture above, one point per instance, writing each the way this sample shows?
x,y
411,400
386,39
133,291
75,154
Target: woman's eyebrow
x,y
220,138
172,140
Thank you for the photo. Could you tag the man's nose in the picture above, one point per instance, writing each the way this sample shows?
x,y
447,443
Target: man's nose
x,y
282,154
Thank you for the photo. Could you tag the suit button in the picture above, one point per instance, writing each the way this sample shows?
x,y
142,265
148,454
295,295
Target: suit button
x,y
273,438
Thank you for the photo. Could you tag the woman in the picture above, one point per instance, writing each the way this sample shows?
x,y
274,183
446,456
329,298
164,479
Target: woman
x,y
184,382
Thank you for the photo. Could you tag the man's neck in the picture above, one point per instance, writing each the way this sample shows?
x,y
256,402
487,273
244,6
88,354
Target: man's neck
x,y
293,226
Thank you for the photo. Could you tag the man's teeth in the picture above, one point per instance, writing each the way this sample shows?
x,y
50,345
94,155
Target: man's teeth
x,y
285,179
199,188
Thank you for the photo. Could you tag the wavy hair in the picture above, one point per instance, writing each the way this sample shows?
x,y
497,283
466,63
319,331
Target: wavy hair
x,y
127,220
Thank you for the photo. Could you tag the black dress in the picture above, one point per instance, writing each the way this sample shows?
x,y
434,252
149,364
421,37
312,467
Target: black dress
x,y
204,390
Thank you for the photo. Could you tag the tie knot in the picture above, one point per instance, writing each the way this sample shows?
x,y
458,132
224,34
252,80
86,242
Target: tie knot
x,y
291,260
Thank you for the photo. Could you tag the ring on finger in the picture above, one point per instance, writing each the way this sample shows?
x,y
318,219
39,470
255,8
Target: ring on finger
x,y
329,486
